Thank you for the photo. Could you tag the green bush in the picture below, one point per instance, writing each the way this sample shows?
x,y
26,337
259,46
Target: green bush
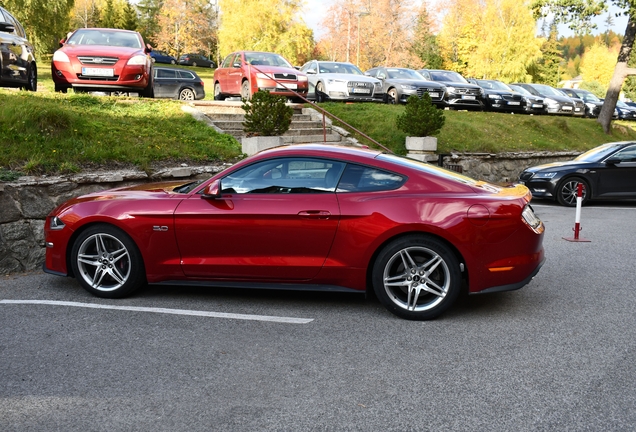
x,y
420,118
266,115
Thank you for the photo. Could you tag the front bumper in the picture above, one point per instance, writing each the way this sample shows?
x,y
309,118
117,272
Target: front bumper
x,y
125,77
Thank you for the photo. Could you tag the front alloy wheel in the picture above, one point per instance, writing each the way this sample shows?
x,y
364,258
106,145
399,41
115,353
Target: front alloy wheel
x,y
245,91
568,190
416,277
186,94
106,262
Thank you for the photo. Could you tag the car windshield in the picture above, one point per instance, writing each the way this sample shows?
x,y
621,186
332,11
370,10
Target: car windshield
x,y
495,85
428,168
521,90
344,68
622,104
547,90
589,97
404,74
447,76
598,153
266,59
104,37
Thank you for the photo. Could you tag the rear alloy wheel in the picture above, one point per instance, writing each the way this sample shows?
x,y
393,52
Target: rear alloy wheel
x,y
245,91
416,277
568,190
392,96
106,262
217,92
194,64
173,61
186,95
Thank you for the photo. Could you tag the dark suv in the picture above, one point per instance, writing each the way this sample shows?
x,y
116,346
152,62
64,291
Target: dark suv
x,y
460,94
500,97
17,57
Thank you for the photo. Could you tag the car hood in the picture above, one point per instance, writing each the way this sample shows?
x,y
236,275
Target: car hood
x,y
100,50
556,166
561,99
348,77
460,85
277,69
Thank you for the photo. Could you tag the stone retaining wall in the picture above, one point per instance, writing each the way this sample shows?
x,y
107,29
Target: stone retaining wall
x,y
25,203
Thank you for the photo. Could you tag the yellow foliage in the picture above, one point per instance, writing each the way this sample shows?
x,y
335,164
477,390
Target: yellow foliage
x,y
598,64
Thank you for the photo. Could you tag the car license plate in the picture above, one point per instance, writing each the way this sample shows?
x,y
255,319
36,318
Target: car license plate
x,y
567,108
468,97
98,72
433,95
577,109
361,90
537,106
514,103
292,86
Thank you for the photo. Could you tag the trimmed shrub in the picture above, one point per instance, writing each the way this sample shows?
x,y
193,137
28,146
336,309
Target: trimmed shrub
x,y
266,115
420,118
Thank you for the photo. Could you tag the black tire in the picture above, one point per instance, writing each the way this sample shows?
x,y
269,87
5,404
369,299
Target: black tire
x,y
320,93
416,277
149,91
567,191
392,96
245,90
32,79
106,262
187,94
60,88
217,92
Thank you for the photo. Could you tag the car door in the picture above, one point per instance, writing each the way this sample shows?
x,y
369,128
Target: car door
x,y
235,74
618,179
11,50
166,83
311,69
274,220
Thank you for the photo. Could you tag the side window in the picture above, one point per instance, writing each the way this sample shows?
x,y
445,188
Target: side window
x,y
285,175
186,74
228,61
357,178
381,75
166,73
627,154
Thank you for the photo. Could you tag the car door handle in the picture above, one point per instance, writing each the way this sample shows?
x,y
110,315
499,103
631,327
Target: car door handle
x,y
315,214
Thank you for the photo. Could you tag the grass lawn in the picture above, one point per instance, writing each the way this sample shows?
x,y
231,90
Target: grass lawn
x,y
45,132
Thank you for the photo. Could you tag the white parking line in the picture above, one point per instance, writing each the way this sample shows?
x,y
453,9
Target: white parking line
x,y
276,319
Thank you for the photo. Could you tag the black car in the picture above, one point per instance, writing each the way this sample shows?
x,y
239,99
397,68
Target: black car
x,y
196,60
579,104
555,101
624,111
17,56
593,104
500,97
534,104
177,84
460,93
606,172
398,84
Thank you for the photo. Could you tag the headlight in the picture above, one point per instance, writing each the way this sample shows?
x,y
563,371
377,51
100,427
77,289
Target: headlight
x,y
408,87
590,105
450,89
137,60
302,78
551,102
263,76
494,96
378,86
532,220
60,56
56,223
482,92
545,175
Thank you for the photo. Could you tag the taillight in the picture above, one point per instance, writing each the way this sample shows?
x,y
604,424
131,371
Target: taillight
x,y
532,220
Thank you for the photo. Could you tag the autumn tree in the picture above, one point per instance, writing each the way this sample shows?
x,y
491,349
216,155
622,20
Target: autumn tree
x,y
128,18
424,45
458,37
598,64
506,42
277,27
45,21
85,13
578,14
109,15
181,22
547,69
148,24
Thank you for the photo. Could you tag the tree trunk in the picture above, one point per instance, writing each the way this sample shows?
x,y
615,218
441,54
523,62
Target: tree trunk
x,y
621,71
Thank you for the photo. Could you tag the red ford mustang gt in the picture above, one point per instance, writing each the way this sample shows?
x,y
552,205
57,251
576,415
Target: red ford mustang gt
x,y
307,217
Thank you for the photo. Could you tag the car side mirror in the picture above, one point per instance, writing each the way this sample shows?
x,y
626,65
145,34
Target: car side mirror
x,y
7,27
236,65
62,41
613,161
212,191
148,49
311,71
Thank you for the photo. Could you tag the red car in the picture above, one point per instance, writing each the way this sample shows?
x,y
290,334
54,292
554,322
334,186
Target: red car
x,y
306,217
244,73
96,59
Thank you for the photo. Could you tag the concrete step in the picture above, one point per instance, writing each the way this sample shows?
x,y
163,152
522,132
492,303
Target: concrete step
x,y
241,117
299,139
234,125
237,133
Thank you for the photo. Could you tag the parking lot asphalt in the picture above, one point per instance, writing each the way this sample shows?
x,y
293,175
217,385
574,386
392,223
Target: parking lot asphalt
x,y
559,354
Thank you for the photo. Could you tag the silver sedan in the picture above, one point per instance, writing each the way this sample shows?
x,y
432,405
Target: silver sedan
x,y
340,81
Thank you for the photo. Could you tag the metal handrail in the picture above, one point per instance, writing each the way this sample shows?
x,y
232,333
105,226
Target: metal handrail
x,y
323,111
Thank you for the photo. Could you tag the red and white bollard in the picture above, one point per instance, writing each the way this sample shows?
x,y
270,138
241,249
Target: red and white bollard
x,y
577,218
